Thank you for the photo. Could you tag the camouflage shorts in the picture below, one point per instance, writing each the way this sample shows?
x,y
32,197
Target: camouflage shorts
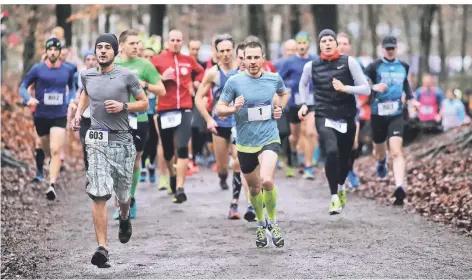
x,y
110,169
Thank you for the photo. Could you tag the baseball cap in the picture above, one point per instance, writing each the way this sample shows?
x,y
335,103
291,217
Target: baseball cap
x,y
389,42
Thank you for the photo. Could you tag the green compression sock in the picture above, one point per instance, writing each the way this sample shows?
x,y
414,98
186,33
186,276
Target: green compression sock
x,y
270,200
257,202
136,175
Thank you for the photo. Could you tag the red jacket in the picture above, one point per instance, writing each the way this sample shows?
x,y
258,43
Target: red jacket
x,y
178,94
268,66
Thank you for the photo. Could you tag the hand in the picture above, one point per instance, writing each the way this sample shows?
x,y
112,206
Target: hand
x,y
32,102
75,123
302,112
196,84
113,106
73,107
277,112
169,74
338,85
212,125
416,104
380,87
238,103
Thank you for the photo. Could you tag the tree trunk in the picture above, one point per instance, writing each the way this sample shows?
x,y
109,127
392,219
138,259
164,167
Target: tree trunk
x,y
62,13
326,17
257,26
464,35
360,40
442,48
294,20
373,21
157,13
108,11
407,25
425,38
30,41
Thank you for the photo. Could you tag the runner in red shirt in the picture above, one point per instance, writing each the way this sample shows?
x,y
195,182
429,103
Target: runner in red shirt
x,y
174,110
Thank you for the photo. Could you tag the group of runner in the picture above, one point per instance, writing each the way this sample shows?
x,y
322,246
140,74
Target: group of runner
x,y
133,104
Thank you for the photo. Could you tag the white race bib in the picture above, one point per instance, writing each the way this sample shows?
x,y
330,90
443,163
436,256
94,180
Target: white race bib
x,y
388,108
340,126
133,121
234,133
171,119
96,136
259,112
426,110
53,99
86,113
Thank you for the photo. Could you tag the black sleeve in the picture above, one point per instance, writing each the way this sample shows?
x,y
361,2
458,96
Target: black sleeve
x,y
406,85
371,70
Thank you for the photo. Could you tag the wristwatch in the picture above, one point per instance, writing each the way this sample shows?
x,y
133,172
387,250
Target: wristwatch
x,y
146,86
125,106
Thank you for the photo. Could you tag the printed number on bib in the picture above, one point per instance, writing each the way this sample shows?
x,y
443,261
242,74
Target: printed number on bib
x,y
96,136
388,108
259,112
53,99
340,126
426,110
133,121
171,119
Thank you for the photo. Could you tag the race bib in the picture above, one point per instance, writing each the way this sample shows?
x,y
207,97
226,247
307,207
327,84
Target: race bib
x,y
259,112
53,99
171,119
388,108
96,136
426,110
234,133
133,121
340,126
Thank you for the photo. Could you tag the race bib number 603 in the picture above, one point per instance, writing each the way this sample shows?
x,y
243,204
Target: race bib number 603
x,y
96,136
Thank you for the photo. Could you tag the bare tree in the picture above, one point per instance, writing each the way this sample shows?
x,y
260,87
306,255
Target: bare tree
x,y
464,35
108,11
426,20
294,20
360,40
157,13
407,26
30,41
326,17
257,25
63,12
442,47
373,21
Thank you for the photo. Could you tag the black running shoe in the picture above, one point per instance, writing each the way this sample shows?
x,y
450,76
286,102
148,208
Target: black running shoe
x,y
179,196
100,258
125,230
224,185
51,192
399,195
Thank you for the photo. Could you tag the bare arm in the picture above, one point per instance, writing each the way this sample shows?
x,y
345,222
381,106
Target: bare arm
x,y
84,102
157,88
223,109
281,99
202,91
140,105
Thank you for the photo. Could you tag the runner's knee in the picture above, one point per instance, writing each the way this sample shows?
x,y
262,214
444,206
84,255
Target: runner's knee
x,y
267,183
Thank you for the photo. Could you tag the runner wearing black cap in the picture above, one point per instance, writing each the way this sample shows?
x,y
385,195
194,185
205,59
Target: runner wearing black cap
x,y
389,77
333,77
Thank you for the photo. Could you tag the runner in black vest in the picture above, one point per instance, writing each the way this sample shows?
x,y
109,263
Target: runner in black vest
x,y
333,77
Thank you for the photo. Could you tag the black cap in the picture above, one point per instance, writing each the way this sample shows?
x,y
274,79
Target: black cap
x,y
110,39
389,42
326,32
53,42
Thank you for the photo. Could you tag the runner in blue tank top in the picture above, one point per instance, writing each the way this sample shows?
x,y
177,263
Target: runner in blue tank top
x,y
215,78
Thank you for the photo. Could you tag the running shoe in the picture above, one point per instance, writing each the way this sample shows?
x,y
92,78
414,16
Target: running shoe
x,y
335,207
276,233
382,169
279,164
164,183
224,185
100,258
308,174
352,179
399,195
116,214
189,172
343,197
289,172
250,215
152,178
51,192
261,238
38,178
179,196
233,212
125,230
132,208
142,177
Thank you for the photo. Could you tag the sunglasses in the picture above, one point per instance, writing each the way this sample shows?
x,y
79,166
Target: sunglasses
x,y
390,49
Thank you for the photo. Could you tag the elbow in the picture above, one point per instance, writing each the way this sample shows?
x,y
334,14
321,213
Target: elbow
x,y
218,111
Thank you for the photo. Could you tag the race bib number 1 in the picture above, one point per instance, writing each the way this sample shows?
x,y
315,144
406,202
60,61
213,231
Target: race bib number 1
x,y
259,112
53,99
340,126
171,119
96,136
388,108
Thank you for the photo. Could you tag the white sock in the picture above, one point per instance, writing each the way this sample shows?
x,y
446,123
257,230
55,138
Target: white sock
x,y
334,197
340,187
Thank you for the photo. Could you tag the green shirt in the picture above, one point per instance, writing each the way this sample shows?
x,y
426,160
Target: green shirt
x,y
145,71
